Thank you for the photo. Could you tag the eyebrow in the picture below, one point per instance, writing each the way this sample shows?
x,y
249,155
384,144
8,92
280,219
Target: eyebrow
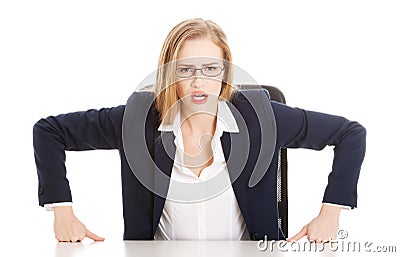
x,y
204,64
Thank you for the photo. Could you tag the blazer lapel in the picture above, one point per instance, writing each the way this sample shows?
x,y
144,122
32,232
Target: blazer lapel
x,y
164,149
236,150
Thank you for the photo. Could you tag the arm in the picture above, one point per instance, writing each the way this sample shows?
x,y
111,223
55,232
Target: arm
x,y
78,131
298,128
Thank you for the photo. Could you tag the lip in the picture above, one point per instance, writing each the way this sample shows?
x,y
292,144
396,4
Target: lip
x,y
199,93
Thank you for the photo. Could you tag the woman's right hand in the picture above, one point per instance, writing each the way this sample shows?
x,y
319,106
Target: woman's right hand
x,y
67,227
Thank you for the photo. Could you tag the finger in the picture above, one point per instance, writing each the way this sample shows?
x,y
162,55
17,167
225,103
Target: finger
x,y
299,235
62,239
318,239
93,236
314,239
76,239
72,240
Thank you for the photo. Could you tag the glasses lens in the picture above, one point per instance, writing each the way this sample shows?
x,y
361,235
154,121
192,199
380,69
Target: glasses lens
x,y
211,71
184,72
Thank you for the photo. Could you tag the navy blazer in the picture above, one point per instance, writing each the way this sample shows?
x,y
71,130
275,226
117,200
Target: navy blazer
x,y
295,128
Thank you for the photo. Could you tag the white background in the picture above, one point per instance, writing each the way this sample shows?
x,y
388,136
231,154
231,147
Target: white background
x,y
339,57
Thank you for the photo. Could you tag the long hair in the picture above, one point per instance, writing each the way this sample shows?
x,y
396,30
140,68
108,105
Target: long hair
x,y
165,88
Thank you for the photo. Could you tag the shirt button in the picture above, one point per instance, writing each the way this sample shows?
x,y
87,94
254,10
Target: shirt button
x,y
254,236
41,190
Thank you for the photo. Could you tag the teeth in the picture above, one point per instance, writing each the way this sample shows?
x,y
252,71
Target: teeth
x,y
198,97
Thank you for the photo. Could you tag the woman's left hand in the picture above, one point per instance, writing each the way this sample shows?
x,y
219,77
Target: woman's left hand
x,y
323,228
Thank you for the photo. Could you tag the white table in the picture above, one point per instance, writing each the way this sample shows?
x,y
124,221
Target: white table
x,y
169,248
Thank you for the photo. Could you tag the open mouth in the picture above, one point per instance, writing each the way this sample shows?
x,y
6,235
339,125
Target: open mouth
x,y
199,97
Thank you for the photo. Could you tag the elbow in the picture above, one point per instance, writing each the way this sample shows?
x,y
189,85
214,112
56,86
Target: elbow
x,y
36,131
41,130
362,131
355,130
37,127
359,135
354,135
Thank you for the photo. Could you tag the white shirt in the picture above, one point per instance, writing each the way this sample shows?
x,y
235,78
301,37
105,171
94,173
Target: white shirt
x,y
206,209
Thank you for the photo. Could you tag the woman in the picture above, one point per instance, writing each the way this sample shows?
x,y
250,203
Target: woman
x,y
195,107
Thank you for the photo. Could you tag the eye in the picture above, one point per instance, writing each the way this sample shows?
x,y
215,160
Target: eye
x,y
184,70
210,68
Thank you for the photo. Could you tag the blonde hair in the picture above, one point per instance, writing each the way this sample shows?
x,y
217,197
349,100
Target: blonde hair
x,y
165,88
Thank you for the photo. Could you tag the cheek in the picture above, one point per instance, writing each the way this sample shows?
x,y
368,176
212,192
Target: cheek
x,y
180,90
215,87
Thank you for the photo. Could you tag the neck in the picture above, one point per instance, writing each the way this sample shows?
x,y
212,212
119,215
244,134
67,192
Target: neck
x,y
198,123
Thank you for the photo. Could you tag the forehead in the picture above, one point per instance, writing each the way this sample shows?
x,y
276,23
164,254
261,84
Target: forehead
x,y
203,48
199,61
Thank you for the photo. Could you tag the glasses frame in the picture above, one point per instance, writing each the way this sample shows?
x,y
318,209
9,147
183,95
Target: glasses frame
x,y
201,70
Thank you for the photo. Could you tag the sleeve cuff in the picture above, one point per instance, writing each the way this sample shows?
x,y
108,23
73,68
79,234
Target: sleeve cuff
x,y
344,207
49,206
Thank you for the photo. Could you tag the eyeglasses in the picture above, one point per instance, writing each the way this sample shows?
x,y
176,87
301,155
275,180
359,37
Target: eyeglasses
x,y
208,71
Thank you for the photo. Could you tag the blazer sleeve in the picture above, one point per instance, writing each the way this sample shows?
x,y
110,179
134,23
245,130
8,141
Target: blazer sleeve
x,y
77,131
298,128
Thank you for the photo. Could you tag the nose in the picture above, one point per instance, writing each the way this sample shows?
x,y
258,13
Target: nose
x,y
197,82
198,79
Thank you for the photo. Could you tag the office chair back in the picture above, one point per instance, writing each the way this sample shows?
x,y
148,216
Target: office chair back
x,y
282,188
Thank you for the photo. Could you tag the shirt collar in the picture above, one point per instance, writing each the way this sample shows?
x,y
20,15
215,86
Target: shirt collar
x,y
225,121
